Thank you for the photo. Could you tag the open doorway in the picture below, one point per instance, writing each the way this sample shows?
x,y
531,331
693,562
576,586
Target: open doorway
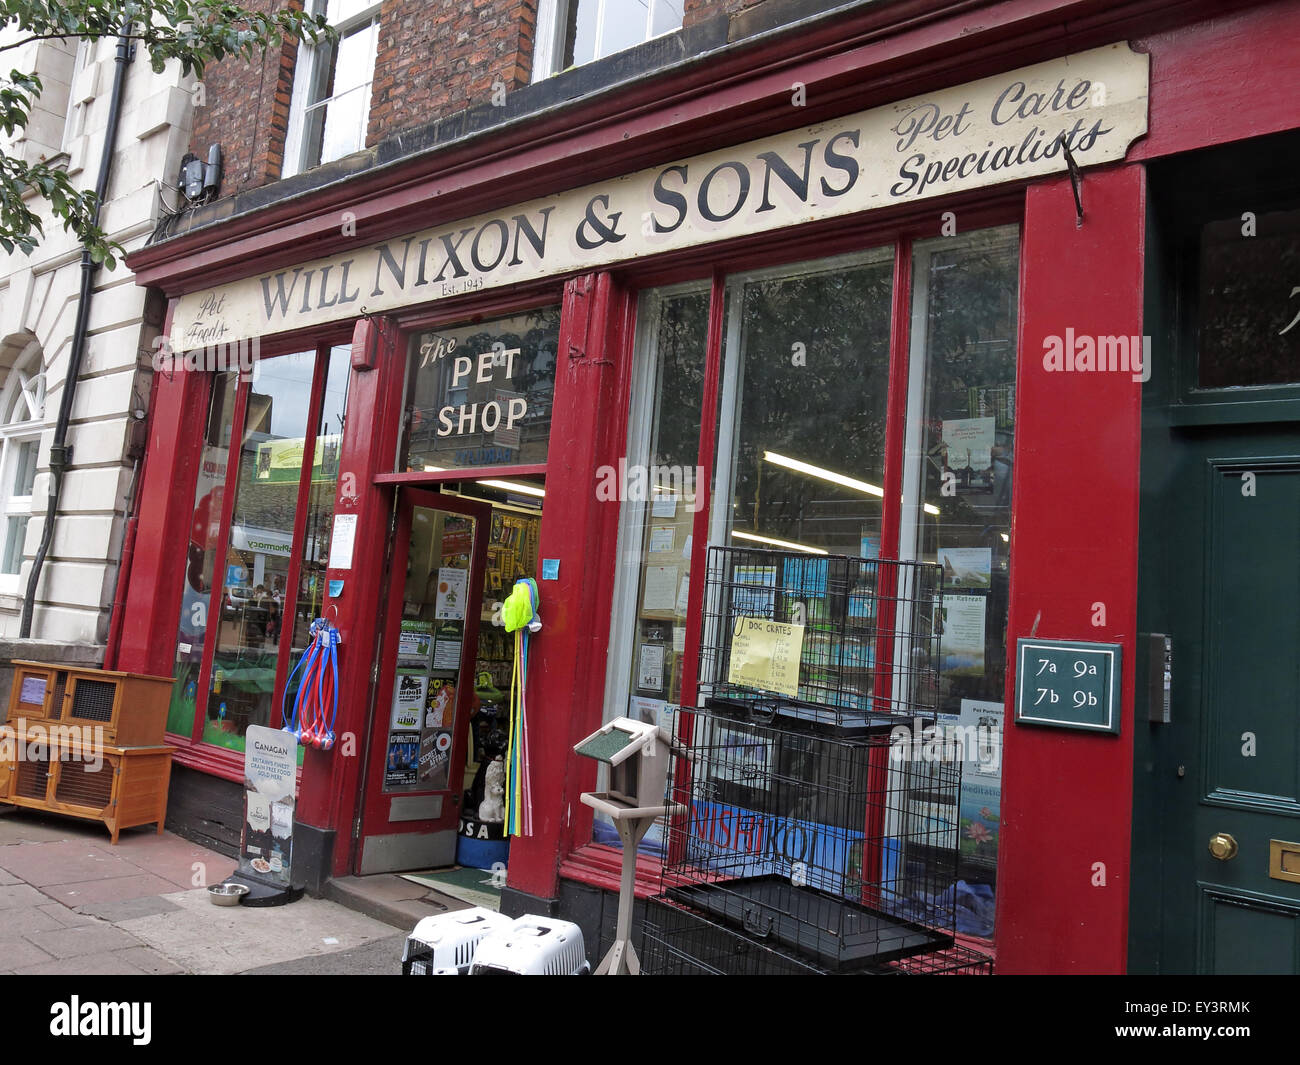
x,y
435,781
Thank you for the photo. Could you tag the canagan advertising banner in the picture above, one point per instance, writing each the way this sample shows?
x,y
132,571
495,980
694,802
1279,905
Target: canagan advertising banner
x,y
1004,128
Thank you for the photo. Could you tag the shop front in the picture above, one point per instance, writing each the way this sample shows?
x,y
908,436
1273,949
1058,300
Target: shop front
x,y
737,325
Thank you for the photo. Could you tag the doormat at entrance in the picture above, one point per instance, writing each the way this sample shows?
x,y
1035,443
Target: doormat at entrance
x,y
469,885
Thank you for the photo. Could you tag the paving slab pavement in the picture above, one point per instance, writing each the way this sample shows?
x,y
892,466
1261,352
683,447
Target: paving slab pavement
x,y
71,903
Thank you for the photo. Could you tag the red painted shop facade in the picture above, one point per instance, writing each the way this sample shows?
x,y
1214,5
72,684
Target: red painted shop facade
x,y
835,292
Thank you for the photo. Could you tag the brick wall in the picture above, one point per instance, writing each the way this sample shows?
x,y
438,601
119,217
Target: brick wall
x,y
697,11
245,109
433,60
436,60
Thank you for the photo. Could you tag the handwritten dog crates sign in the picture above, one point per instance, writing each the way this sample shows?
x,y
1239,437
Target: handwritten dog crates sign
x,y
1068,684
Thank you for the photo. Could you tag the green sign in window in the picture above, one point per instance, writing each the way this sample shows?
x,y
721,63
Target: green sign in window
x,y
1068,684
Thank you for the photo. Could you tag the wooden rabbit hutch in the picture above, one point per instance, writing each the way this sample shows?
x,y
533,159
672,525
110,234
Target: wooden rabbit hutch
x,y
87,743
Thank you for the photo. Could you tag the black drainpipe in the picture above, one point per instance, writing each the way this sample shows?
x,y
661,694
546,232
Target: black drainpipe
x,y
60,453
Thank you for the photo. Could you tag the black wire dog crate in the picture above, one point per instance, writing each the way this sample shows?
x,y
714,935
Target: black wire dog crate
x,y
833,640
680,942
825,846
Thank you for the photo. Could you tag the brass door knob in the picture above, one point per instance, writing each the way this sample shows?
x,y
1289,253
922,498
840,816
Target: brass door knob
x,y
1223,846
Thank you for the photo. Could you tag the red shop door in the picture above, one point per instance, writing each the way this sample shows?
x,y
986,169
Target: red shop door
x,y
418,743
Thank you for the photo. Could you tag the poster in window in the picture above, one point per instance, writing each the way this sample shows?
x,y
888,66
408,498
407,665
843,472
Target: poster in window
x,y
660,588
440,703
978,729
650,669
435,758
403,759
457,539
413,643
962,619
408,700
661,539
654,711
966,567
663,506
446,646
969,443
453,587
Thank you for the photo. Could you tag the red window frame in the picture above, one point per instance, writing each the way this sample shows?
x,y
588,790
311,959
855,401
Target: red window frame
x,y
600,865
194,751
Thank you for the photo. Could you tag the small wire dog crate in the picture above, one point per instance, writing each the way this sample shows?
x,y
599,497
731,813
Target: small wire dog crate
x,y
830,847
835,640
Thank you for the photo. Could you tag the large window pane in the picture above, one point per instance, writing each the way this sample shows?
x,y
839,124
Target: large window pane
x,y
594,29
958,513
205,529
259,548
15,535
623,26
802,436
337,99
659,486
480,395
25,467
313,552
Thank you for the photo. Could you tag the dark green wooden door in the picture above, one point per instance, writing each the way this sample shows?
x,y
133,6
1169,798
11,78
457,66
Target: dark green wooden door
x,y
1226,768
1216,816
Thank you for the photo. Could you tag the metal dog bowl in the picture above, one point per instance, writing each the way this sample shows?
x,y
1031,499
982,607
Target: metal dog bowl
x,y
227,894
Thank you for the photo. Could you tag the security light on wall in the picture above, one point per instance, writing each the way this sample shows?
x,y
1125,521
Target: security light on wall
x,y
199,181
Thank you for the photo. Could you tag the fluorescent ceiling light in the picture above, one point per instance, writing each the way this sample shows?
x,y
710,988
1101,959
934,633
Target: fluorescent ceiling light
x,y
833,477
515,486
825,475
508,486
778,543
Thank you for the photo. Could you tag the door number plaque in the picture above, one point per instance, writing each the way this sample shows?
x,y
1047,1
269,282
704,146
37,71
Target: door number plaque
x,y
1068,685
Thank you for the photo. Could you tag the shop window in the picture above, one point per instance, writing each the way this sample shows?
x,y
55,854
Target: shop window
x,y
957,512
800,445
23,404
201,553
573,32
659,486
293,615
256,560
259,545
480,395
330,107
801,438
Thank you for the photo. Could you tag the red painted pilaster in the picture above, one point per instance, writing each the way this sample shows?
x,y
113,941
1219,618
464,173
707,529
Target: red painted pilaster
x,y
1063,875
331,779
147,640
566,673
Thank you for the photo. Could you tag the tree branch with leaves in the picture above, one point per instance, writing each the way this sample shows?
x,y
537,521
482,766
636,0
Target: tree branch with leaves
x,y
191,32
